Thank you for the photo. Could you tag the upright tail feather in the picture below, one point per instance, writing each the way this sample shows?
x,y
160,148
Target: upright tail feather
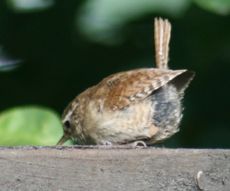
x,y
162,36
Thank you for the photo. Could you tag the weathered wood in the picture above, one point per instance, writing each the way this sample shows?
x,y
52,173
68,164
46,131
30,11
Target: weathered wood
x,y
118,169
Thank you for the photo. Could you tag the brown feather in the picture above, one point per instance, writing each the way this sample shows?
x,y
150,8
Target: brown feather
x,y
162,37
120,90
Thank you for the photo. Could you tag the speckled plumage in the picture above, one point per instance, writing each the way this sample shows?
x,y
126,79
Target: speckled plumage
x,y
142,104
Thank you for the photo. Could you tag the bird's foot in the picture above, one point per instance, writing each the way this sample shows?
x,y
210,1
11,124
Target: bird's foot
x,y
105,144
138,144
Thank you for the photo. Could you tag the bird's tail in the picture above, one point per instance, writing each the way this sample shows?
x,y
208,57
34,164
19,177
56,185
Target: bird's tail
x,y
162,37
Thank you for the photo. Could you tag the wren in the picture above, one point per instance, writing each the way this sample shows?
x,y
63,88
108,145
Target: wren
x,y
142,105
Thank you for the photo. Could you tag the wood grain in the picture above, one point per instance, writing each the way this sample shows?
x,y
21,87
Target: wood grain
x,y
115,169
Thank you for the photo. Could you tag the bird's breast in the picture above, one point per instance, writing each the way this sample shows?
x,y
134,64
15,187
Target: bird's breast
x,y
119,126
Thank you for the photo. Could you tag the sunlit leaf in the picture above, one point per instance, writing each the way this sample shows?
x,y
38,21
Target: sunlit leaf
x,y
29,126
218,6
29,5
100,20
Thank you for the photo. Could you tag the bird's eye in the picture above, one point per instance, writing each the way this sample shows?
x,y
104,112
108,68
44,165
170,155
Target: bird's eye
x,y
67,124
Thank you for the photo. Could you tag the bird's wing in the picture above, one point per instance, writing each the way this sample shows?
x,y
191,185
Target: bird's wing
x,y
120,90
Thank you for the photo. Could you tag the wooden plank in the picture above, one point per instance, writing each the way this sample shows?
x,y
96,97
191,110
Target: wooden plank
x,y
105,169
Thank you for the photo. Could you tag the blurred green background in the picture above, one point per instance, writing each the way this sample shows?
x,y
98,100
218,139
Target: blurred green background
x,y
51,50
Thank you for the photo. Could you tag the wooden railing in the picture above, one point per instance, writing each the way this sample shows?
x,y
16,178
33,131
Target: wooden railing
x,y
113,169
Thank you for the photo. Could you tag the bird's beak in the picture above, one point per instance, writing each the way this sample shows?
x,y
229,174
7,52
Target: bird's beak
x,y
63,139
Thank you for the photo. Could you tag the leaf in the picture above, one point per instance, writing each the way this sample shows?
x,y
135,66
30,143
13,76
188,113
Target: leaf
x,y
218,6
29,126
102,20
7,63
29,5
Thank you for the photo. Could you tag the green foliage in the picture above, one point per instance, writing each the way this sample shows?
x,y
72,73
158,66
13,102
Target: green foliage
x,y
101,20
217,6
29,126
29,5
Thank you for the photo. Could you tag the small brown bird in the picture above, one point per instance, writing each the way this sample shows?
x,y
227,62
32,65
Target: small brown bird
x,y
137,106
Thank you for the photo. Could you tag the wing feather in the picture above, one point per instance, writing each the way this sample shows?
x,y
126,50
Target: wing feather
x,y
120,90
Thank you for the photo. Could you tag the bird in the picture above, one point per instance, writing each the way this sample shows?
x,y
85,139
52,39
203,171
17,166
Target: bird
x,y
139,107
